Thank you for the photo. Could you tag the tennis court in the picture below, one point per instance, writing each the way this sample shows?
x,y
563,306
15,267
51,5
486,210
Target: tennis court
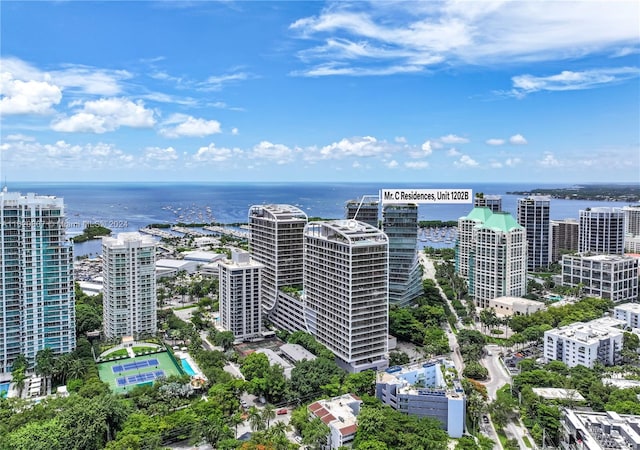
x,y
135,365
125,374
143,377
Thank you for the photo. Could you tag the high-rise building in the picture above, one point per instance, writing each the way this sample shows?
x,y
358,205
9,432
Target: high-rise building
x,y
564,237
612,277
276,241
400,224
465,243
240,308
364,209
37,303
601,231
533,215
346,292
498,261
493,202
632,220
129,296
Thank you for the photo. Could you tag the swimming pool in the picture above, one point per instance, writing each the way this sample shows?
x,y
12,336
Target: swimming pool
x,y
4,389
187,368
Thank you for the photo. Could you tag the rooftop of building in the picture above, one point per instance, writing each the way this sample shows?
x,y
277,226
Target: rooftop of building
x,y
559,394
602,210
129,237
280,212
588,333
297,352
602,258
352,231
478,214
10,197
502,222
517,300
200,255
569,220
535,198
449,385
605,429
630,307
338,412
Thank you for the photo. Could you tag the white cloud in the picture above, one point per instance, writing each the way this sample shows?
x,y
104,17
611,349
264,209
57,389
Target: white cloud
x,y
453,152
400,139
20,137
279,153
549,161
160,154
211,153
466,161
512,162
494,141
517,139
27,97
234,131
392,164
495,164
357,146
189,126
453,139
368,38
217,82
416,164
106,114
568,80
427,147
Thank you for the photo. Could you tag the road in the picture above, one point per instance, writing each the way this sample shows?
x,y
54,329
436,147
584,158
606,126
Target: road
x,y
498,375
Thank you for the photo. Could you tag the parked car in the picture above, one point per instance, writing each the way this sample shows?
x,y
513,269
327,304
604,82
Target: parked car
x,y
282,411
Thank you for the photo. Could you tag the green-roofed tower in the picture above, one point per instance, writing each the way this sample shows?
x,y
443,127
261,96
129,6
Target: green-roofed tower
x,y
464,245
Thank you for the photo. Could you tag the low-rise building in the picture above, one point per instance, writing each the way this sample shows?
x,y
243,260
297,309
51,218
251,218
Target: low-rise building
x,y
296,353
629,312
586,430
515,306
612,277
429,389
171,267
584,343
340,415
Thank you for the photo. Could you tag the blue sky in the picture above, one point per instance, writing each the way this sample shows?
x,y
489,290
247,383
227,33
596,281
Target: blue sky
x,y
313,91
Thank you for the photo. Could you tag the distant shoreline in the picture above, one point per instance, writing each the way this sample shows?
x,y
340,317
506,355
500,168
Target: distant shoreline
x,y
598,192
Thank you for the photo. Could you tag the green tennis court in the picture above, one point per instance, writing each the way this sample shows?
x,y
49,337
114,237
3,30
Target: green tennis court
x,y
125,374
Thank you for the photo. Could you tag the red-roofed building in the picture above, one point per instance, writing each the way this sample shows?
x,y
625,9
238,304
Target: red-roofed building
x,y
339,414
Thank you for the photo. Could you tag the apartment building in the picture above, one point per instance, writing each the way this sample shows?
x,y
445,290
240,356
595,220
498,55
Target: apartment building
x,y
493,202
430,389
400,224
583,344
601,231
37,302
276,241
129,294
364,209
533,215
465,243
632,228
240,290
564,238
629,312
346,291
612,277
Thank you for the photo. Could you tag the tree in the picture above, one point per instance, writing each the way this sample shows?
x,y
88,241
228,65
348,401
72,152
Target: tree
x,y
476,406
44,364
18,377
77,369
315,434
256,420
268,414
225,339
254,366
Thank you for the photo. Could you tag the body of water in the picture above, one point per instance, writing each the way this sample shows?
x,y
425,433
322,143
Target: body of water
x,y
131,206
187,367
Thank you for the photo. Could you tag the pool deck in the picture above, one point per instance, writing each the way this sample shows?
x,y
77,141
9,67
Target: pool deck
x,y
186,356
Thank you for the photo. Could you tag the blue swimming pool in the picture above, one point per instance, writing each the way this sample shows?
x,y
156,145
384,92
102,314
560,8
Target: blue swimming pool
x,y
187,368
4,389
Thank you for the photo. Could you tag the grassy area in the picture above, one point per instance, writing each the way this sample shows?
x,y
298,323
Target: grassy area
x,y
179,308
526,441
118,353
502,437
107,374
143,349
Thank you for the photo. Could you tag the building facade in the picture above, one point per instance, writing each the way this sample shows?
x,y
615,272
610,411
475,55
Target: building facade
x,y
423,390
498,261
632,228
493,202
588,430
515,306
400,224
583,344
629,312
465,243
601,231
610,277
240,290
129,295
276,241
346,292
365,210
37,302
564,237
533,215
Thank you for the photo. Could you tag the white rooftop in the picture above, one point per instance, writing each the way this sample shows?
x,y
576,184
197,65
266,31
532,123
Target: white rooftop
x,y
558,394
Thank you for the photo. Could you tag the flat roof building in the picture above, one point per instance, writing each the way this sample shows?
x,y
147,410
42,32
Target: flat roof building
x,y
346,291
629,312
533,215
564,237
515,306
430,389
340,415
587,430
129,295
493,202
364,209
297,353
601,231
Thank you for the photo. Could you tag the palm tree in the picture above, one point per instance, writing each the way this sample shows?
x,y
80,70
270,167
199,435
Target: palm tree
x,y
44,364
18,377
268,414
256,421
77,369
234,420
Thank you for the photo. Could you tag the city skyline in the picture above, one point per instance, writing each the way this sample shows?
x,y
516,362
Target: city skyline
x,y
320,91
